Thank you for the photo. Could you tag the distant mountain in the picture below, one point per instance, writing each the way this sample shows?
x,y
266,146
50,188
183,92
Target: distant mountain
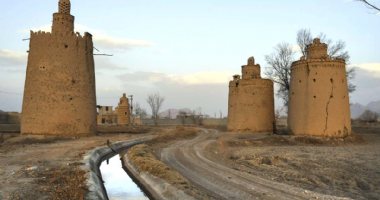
x,y
357,109
374,106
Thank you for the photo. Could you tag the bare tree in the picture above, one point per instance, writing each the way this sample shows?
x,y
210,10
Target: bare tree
x,y
351,72
369,116
139,111
335,50
155,102
280,62
370,5
304,38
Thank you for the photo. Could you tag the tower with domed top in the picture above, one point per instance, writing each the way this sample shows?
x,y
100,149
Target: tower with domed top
x,y
250,101
318,97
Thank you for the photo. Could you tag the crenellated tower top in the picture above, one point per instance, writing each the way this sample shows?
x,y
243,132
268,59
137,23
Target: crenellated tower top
x,y
316,50
63,21
251,70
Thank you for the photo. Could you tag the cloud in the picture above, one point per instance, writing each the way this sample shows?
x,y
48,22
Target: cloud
x,y
12,61
198,78
208,89
367,81
206,77
108,42
105,63
296,48
103,40
373,68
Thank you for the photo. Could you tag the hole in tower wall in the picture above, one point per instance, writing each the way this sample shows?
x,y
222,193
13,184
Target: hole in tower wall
x,y
331,80
299,81
314,80
315,97
66,46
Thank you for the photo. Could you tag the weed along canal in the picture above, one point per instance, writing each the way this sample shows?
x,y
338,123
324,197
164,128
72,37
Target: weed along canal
x,y
118,184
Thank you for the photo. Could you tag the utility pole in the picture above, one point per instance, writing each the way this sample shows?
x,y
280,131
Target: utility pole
x,y
131,106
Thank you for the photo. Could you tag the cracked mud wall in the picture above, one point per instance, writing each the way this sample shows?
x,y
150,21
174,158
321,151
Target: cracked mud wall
x,y
319,101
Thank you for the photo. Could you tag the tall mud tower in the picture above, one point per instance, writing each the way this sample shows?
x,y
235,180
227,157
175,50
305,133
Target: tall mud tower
x,y
319,101
251,101
123,111
59,95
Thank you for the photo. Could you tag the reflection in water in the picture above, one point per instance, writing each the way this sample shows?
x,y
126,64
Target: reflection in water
x,y
118,184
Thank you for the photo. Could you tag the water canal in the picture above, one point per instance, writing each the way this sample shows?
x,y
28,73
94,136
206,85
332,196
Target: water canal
x,y
118,184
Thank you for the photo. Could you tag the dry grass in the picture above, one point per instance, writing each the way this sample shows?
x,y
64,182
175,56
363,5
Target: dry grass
x,y
143,157
144,160
248,140
343,167
53,183
123,129
179,133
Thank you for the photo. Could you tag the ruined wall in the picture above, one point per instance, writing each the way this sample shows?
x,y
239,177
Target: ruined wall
x,y
106,116
319,101
59,96
251,101
123,111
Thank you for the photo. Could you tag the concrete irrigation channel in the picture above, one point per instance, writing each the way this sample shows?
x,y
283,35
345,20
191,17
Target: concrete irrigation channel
x,y
93,160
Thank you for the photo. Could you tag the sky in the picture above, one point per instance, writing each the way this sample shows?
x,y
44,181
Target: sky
x,y
188,50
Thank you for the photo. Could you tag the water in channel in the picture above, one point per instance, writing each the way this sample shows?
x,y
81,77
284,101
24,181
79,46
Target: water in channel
x,y
118,184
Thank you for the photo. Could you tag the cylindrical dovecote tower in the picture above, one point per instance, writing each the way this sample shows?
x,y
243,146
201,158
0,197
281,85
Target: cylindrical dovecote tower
x,y
319,101
59,96
250,101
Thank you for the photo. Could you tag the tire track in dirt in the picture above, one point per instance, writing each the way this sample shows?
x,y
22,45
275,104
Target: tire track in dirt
x,y
221,182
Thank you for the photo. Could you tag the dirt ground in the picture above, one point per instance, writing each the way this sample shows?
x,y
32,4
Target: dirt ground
x,y
347,167
262,166
37,167
208,165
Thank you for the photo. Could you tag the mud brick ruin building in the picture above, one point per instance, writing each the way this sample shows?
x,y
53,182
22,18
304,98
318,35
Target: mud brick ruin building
x,y
120,116
319,101
59,95
251,101
106,115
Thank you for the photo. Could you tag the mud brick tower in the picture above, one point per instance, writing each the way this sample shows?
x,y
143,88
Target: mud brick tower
x,y
250,101
123,111
319,101
59,95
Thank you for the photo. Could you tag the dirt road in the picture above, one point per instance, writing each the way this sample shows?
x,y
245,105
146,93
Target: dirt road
x,y
222,182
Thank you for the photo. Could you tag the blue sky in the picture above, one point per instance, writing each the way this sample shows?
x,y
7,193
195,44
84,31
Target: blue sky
x,y
187,50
